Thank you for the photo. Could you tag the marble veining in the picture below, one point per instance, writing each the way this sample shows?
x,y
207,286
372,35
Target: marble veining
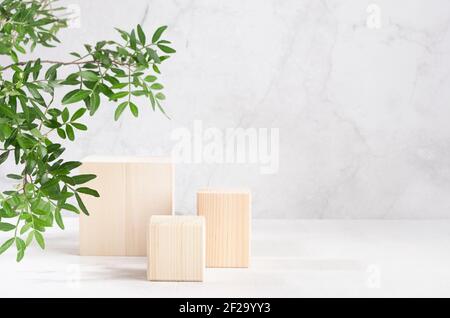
x,y
362,111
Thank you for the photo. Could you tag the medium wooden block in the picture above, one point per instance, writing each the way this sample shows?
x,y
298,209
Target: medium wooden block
x,y
131,191
228,226
176,248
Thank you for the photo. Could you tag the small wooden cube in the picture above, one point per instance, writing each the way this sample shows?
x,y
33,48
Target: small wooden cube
x,y
131,191
176,248
228,226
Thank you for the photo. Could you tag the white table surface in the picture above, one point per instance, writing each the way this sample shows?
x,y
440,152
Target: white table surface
x,y
290,258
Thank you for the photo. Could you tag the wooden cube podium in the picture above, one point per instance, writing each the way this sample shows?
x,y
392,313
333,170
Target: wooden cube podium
x,y
131,191
176,248
228,226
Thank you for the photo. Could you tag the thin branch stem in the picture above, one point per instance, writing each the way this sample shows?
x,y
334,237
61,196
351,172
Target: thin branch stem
x,y
76,62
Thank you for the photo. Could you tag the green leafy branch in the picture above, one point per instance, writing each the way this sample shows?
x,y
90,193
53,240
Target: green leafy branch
x,y
122,72
25,23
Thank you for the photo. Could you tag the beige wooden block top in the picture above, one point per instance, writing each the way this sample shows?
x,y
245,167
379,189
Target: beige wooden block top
x,y
177,219
224,191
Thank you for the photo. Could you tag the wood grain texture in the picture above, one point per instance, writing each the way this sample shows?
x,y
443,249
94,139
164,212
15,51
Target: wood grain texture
x,y
103,232
176,248
131,191
149,191
228,226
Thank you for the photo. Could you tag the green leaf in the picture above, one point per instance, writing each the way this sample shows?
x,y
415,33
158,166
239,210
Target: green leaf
x,y
105,90
158,33
61,133
134,109
83,178
166,49
88,191
150,78
156,69
157,86
123,34
70,133
119,86
40,223
133,40
14,176
25,142
119,110
164,57
52,72
152,100
141,34
7,111
36,133
78,114
14,56
39,239
20,244
119,73
29,238
81,204
153,55
70,165
6,245
25,228
6,227
122,51
160,96
89,76
95,102
70,207
29,188
50,184
118,95
79,126
58,219
75,96
141,60
139,93
42,209
37,68
20,255
65,115
5,131
4,156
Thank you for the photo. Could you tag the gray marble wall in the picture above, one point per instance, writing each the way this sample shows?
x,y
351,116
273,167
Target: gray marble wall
x,y
358,90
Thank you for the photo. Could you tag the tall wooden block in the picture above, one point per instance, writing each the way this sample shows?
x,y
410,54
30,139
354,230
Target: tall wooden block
x,y
131,191
228,226
176,248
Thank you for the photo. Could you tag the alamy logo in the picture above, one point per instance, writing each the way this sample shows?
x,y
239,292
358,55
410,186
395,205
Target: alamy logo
x,y
231,146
